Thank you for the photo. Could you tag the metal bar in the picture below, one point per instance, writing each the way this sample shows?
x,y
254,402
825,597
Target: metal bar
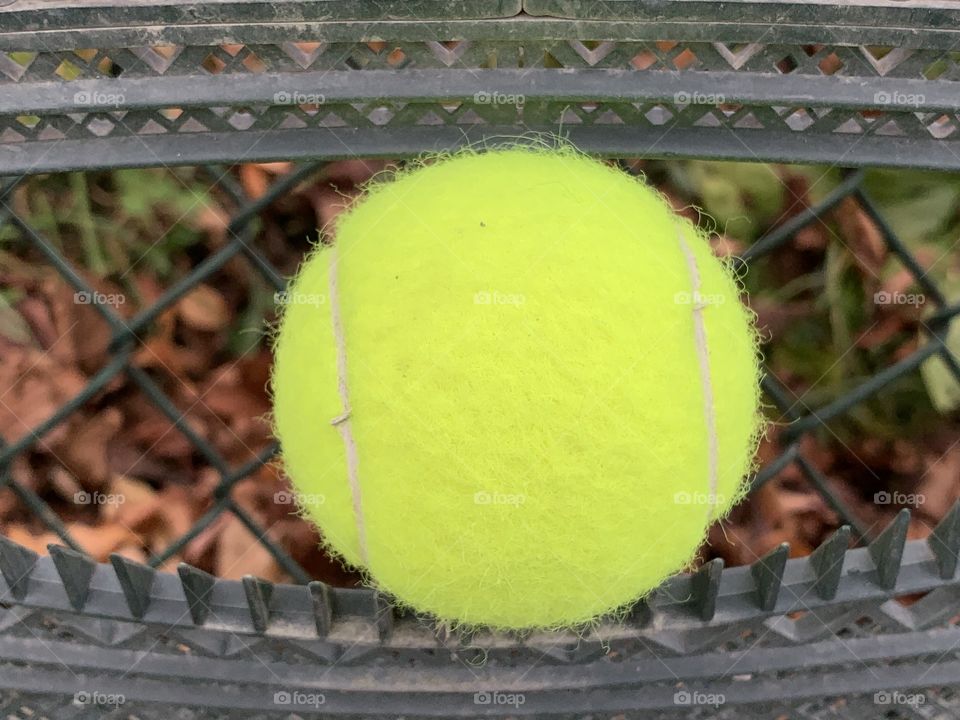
x,y
347,143
413,85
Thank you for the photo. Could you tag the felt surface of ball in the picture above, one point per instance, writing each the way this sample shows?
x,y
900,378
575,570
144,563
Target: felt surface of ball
x,y
517,389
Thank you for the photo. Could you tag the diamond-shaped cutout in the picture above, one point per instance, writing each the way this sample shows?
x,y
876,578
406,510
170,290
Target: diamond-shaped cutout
x,y
242,120
28,121
254,64
685,60
942,127
800,119
380,115
831,64
787,65
658,115
106,66
397,58
68,70
100,125
643,60
213,64
171,114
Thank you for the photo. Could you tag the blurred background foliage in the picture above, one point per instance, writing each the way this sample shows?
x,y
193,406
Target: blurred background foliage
x,y
134,233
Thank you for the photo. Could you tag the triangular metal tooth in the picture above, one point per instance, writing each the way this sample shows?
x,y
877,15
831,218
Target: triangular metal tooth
x,y
827,563
136,581
944,543
705,586
76,571
258,593
768,575
16,564
197,587
887,550
322,606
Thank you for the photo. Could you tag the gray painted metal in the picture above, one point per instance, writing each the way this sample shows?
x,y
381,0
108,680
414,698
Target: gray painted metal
x,y
98,84
781,635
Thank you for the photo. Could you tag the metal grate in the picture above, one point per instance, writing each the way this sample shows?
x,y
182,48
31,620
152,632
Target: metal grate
x,y
767,81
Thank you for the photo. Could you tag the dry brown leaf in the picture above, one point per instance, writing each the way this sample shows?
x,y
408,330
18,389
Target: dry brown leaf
x,y
203,308
21,535
102,539
255,180
84,450
34,386
240,553
939,485
862,237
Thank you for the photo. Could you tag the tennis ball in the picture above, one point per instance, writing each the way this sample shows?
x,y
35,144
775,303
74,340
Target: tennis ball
x,y
517,389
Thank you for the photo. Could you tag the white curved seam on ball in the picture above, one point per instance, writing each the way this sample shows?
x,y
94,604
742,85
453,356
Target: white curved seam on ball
x,y
342,421
703,356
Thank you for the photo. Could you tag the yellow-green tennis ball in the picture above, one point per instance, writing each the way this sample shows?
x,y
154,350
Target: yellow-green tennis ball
x,y
517,389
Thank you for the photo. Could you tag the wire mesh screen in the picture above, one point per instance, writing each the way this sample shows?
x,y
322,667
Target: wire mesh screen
x,y
127,333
